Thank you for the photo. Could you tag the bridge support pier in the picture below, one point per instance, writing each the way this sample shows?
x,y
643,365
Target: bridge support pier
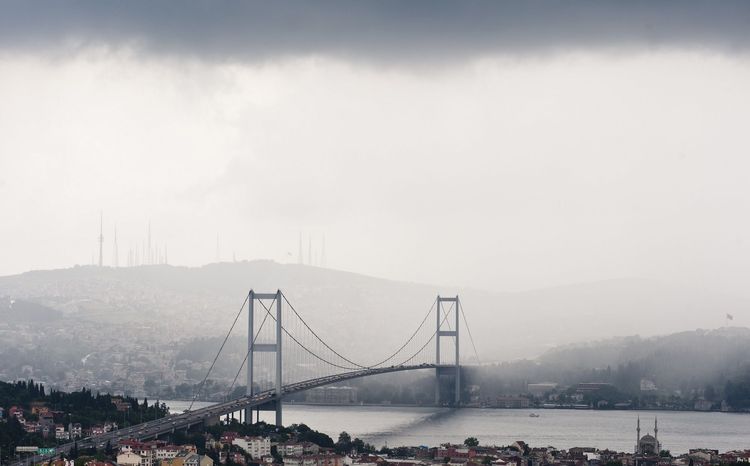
x,y
253,347
452,370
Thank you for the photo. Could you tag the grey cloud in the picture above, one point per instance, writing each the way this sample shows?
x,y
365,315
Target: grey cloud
x,y
375,30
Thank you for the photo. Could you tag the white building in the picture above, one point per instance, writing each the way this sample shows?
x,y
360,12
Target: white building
x,y
75,430
648,386
315,460
61,433
128,458
166,452
299,461
256,447
297,448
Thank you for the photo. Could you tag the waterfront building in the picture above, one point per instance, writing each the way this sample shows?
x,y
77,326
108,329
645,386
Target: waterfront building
x,y
702,404
540,389
332,395
511,402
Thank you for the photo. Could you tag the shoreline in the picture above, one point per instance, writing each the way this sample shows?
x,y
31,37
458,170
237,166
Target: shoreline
x,y
540,408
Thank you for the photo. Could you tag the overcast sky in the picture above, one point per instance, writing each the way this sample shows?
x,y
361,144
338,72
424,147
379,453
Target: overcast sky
x,y
500,145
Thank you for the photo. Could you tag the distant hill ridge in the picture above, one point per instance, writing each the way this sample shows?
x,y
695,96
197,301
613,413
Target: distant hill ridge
x,y
351,309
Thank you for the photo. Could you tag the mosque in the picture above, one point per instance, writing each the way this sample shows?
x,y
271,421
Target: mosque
x,y
648,444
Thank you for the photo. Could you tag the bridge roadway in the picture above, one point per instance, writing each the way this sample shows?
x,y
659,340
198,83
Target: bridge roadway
x,y
173,422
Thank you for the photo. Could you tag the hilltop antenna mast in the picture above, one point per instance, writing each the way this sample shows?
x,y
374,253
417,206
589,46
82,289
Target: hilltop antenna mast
x,y
150,254
299,254
115,252
323,252
309,249
101,238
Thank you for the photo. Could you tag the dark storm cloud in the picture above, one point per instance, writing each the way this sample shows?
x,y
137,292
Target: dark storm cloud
x,y
384,29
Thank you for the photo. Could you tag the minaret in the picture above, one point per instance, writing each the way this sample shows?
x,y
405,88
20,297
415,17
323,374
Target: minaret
x,y
101,238
638,436
656,435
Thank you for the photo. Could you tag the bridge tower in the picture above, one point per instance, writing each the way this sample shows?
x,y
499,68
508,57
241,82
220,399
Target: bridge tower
x,y
253,347
447,370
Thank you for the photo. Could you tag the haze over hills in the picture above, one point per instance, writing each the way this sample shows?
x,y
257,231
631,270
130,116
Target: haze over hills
x,y
668,371
346,308
154,330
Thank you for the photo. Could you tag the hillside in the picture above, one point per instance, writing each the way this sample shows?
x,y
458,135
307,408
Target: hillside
x,y
345,306
671,370
19,311
680,361
138,320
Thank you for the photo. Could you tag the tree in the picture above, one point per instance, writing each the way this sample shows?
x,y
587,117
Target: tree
x,y
358,445
401,452
306,434
385,451
344,443
276,456
471,442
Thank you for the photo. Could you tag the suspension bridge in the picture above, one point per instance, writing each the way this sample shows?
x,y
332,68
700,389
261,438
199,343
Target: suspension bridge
x,y
285,356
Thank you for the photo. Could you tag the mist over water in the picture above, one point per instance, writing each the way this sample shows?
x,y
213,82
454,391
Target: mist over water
x,y
412,426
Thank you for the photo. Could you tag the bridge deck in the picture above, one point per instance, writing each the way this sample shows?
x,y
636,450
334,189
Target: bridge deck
x,y
175,422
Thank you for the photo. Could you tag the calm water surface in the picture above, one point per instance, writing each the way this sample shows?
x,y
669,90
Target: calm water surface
x,y
394,426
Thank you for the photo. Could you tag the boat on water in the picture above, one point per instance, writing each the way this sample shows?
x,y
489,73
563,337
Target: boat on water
x,y
533,415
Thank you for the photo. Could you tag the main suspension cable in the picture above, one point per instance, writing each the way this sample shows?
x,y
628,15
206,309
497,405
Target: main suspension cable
x,y
471,338
219,352
268,311
410,338
316,335
425,345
